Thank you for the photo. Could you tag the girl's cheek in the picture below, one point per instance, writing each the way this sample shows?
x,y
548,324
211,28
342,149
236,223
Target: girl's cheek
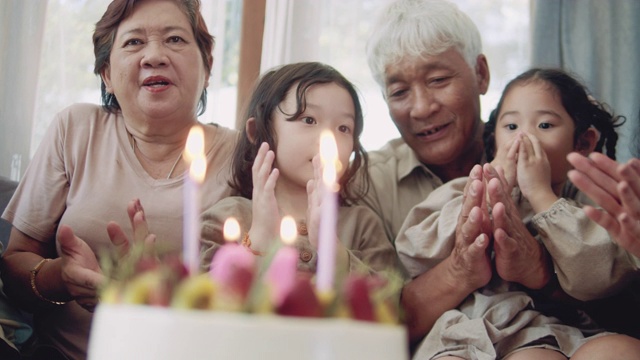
x,y
501,140
344,165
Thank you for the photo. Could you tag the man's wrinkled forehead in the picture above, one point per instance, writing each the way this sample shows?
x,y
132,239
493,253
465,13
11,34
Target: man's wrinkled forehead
x,y
421,63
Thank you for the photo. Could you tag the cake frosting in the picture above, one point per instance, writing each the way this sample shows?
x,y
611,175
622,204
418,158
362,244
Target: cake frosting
x,y
139,332
244,308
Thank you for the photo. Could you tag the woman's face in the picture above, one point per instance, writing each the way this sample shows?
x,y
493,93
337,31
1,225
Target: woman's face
x,y
156,69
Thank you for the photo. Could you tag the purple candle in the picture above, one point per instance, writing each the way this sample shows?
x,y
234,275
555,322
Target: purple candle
x,y
327,237
194,155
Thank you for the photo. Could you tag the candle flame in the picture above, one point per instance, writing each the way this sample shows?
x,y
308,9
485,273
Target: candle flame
x,y
195,143
329,158
194,154
198,169
288,230
231,230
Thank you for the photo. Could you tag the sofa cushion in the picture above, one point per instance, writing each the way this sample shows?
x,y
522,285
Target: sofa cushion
x,y
15,325
7,188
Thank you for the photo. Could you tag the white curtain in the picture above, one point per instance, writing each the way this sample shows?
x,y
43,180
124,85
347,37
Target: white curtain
x,y
21,31
46,58
336,31
276,39
46,64
291,32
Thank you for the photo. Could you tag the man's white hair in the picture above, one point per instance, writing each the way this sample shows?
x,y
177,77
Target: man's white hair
x,y
418,28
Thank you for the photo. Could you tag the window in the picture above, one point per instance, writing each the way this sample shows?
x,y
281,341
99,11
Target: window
x,y
343,31
66,76
66,70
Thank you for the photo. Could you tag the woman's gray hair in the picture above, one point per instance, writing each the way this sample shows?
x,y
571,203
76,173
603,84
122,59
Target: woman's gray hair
x,y
418,28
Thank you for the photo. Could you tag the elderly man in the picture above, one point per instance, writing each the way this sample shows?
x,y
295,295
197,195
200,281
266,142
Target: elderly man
x,y
426,55
432,73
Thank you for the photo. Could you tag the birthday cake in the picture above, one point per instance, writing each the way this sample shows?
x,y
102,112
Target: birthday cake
x,y
145,332
243,309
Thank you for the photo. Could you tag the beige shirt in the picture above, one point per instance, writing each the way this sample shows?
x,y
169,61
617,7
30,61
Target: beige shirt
x,y
83,175
503,317
398,182
579,247
362,240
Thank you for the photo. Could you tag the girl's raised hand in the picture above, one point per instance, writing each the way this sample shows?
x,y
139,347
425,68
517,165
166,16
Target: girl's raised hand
x,y
314,193
266,214
534,173
506,160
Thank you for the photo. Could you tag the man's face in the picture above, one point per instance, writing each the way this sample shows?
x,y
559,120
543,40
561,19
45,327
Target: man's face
x,y
435,103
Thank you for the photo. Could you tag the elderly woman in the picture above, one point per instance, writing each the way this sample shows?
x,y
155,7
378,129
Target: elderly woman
x,y
154,58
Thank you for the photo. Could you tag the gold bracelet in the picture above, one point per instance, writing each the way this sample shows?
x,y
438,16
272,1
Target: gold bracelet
x,y
246,242
34,272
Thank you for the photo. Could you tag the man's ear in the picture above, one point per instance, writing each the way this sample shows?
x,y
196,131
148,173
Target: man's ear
x,y
482,74
250,129
587,141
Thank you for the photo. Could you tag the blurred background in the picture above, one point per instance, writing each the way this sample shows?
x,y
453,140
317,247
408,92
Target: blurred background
x,y
46,56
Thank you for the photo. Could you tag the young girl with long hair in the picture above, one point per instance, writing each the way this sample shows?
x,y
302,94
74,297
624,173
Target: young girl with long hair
x,y
276,169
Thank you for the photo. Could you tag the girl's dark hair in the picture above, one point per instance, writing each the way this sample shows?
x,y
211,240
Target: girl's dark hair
x,y
583,109
105,34
269,92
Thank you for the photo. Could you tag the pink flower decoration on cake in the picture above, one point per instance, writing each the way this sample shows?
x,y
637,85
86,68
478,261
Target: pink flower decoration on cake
x,y
233,268
281,276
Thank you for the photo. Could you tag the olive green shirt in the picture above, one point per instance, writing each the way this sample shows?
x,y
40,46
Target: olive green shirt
x,y
363,246
399,181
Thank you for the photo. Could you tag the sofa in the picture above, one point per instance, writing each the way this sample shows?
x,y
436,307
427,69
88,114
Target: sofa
x,y
7,187
15,326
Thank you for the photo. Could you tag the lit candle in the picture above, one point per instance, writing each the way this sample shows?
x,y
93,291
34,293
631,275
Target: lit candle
x,y
327,237
232,268
288,230
231,255
231,230
194,155
283,269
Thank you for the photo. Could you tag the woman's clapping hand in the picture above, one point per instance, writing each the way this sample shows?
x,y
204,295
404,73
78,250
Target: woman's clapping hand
x,y
616,188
